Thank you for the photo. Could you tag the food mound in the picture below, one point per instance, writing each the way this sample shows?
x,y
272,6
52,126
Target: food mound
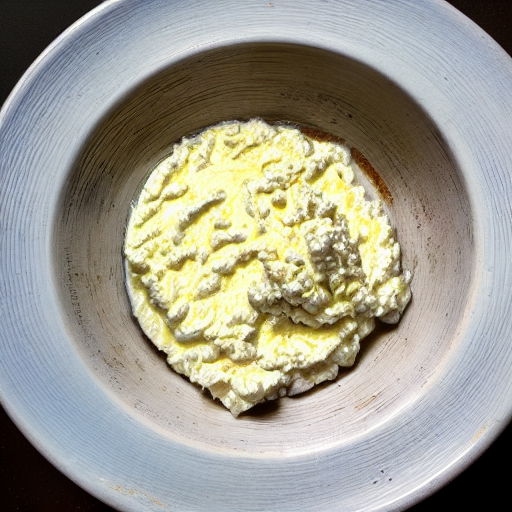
x,y
257,264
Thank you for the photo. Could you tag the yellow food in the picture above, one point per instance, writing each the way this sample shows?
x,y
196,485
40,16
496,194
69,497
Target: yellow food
x,y
257,265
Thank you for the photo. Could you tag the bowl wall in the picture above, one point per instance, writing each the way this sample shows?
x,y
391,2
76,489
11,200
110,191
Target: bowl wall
x,y
277,82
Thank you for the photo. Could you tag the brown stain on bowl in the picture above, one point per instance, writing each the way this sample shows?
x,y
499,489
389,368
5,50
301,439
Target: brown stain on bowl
x,y
363,403
134,492
363,163
479,433
320,135
372,174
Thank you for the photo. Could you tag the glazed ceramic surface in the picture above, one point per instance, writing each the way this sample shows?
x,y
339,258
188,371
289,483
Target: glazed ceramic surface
x,y
429,105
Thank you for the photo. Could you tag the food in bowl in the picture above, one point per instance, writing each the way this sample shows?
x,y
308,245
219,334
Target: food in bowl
x,y
257,264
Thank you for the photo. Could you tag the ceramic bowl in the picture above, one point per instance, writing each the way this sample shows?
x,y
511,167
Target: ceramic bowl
x,y
428,104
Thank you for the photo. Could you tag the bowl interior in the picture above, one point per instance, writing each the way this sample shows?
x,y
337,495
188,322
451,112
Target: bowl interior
x,y
310,86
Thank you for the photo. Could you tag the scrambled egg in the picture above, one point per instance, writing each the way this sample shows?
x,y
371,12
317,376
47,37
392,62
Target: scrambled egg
x,y
257,265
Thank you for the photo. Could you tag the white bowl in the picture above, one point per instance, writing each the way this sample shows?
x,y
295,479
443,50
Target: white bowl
x,y
427,103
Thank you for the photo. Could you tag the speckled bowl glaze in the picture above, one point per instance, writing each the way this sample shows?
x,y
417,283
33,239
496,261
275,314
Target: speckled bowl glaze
x,y
429,105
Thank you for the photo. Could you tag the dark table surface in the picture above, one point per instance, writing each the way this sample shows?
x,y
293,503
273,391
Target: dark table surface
x,y
28,481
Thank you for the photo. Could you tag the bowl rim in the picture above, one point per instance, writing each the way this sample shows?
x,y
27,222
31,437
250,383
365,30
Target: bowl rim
x,y
25,419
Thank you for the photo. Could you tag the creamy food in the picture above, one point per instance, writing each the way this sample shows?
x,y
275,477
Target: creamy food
x,y
257,264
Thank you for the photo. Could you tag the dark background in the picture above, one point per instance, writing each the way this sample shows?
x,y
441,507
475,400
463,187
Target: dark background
x,y
28,481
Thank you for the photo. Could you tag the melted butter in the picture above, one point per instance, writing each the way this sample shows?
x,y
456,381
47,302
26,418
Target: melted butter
x,y
257,265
